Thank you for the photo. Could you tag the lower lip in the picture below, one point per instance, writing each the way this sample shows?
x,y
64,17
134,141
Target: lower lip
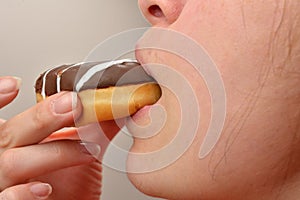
x,y
142,113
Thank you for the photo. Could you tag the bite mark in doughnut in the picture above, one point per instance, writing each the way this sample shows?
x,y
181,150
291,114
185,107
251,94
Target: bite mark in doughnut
x,y
107,90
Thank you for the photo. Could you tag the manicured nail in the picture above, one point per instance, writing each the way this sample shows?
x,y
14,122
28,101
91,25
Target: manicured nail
x,y
65,103
41,190
9,84
90,148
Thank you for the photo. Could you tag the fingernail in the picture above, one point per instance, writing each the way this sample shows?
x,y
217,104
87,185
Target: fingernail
x,y
90,148
9,84
65,103
41,190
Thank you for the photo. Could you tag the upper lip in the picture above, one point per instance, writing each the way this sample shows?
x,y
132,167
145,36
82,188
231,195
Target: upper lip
x,y
139,58
138,53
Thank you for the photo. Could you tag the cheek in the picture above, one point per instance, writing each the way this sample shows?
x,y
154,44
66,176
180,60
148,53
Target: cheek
x,y
236,35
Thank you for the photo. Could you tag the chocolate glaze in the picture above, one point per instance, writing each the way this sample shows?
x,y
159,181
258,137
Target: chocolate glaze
x,y
125,73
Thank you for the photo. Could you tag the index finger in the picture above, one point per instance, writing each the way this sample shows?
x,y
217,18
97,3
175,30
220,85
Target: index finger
x,y
37,123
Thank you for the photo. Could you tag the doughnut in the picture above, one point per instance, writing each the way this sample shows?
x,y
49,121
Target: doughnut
x,y
107,90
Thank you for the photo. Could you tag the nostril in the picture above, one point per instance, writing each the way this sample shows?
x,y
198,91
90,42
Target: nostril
x,y
156,11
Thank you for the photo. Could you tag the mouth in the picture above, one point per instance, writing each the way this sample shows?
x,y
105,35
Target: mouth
x,y
144,113
147,122
143,116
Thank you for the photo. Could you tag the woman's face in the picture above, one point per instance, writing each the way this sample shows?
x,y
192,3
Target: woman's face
x,y
255,47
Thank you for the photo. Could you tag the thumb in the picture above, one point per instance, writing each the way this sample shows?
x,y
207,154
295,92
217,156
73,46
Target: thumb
x,y
29,191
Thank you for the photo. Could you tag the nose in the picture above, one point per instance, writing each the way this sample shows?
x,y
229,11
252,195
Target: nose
x,y
161,12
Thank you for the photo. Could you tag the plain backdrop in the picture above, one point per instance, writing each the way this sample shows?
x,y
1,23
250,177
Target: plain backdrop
x,y
38,34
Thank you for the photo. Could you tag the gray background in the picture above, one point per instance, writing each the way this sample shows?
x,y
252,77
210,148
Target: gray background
x,y
38,34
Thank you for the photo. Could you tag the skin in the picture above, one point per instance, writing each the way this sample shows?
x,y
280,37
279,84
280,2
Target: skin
x,y
255,45
257,155
38,153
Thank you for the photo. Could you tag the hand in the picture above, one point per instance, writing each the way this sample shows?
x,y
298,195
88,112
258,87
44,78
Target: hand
x,y
36,166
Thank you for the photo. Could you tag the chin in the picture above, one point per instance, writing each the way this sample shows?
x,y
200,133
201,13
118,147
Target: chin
x,y
154,176
147,183
174,181
155,183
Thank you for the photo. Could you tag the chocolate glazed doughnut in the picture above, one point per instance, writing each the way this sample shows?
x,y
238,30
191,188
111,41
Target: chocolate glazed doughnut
x,y
107,90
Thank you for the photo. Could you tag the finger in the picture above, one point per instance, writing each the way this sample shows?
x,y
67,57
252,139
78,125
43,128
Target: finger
x,y
69,133
29,191
40,121
21,164
9,88
110,129
99,133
